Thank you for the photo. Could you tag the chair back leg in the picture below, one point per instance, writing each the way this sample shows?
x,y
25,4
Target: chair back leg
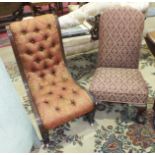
x,y
141,115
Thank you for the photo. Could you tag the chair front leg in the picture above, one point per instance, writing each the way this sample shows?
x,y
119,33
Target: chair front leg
x,y
45,136
90,117
141,115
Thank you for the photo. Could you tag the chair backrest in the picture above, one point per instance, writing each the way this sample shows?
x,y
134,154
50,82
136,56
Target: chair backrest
x,y
120,33
38,49
39,53
37,44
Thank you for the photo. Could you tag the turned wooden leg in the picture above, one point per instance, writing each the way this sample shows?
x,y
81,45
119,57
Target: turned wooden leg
x,y
90,117
45,136
154,115
140,117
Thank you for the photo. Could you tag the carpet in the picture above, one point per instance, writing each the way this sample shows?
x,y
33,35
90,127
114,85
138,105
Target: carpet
x,y
114,129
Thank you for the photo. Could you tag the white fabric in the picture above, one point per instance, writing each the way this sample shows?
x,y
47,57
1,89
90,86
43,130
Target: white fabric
x,y
16,131
92,9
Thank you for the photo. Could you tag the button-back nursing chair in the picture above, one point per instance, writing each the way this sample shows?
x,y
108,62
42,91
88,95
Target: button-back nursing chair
x,y
56,97
117,78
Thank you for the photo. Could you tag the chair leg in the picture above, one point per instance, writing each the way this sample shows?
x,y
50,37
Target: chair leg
x,y
154,115
90,117
140,117
45,136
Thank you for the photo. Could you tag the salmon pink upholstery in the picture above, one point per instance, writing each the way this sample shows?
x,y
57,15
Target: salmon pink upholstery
x,y
56,95
117,78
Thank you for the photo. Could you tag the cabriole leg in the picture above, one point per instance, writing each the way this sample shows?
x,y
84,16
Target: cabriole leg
x,y
141,115
90,117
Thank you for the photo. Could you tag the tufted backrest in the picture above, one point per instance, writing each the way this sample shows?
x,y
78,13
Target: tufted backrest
x,y
120,33
38,44
39,53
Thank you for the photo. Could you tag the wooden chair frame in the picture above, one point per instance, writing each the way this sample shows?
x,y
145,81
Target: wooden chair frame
x,y
44,132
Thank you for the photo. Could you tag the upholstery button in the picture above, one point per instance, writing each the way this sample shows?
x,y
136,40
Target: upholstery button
x,y
57,108
32,40
41,48
57,62
49,26
53,72
61,97
53,83
45,36
42,75
50,93
50,56
73,102
24,32
46,102
29,52
36,30
63,88
53,44
37,60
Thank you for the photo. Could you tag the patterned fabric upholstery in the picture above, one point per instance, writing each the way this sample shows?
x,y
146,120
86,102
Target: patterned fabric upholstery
x,y
117,79
119,85
57,97
120,37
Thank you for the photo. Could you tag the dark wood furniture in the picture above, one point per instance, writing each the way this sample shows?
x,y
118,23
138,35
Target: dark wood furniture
x,y
55,97
53,7
10,12
95,28
150,41
13,11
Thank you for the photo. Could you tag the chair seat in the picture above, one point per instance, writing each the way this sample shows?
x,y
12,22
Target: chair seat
x,y
119,85
57,97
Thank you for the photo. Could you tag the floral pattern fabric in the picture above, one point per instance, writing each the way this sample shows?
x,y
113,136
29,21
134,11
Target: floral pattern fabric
x,y
114,130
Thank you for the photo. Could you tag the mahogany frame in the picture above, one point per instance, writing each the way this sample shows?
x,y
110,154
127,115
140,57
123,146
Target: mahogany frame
x,y
44,132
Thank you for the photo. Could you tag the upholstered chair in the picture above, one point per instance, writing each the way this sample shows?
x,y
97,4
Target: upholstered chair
x,y
56,97
117,78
